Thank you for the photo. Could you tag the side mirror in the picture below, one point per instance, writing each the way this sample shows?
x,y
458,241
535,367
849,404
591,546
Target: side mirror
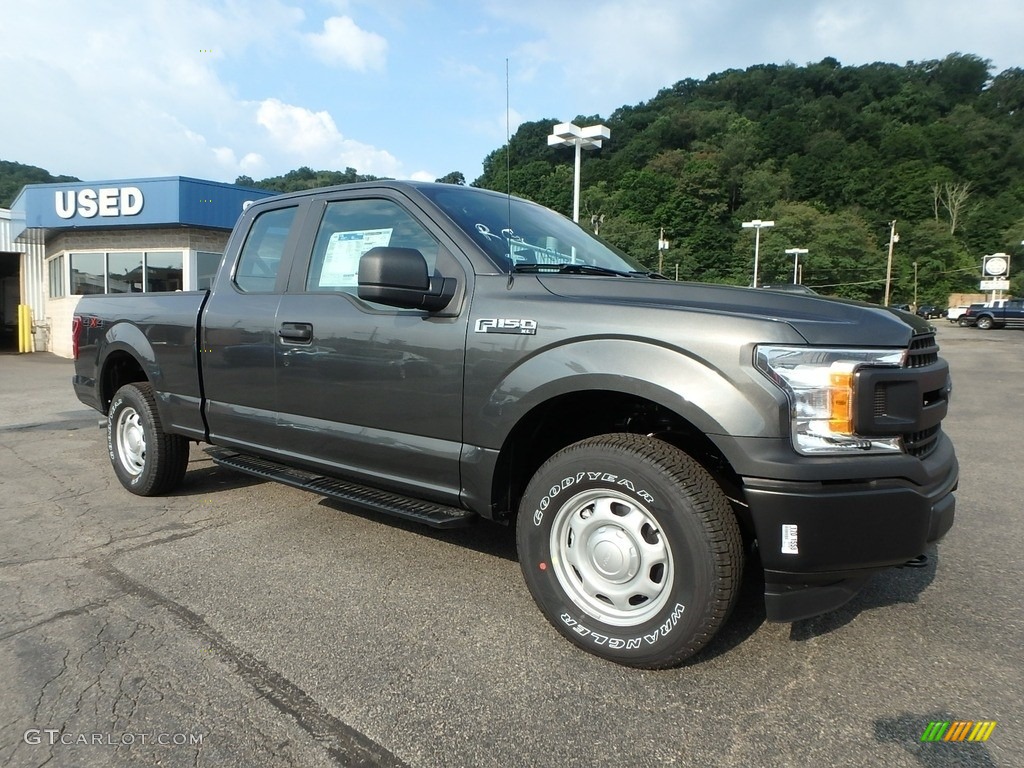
x,y
398,277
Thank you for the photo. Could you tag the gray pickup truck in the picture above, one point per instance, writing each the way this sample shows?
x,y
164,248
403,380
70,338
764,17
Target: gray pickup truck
x,y
444,354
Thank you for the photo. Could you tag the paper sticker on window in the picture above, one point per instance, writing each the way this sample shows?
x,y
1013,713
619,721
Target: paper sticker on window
x,y
789,542
341,261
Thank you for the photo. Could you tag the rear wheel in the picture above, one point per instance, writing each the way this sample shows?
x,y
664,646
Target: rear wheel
x,y
146,460
984,323
630,549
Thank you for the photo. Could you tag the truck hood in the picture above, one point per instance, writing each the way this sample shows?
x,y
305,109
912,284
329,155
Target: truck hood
x,y
818,319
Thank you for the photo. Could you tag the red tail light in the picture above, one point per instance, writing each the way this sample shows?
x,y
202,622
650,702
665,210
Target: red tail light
x,y
76,328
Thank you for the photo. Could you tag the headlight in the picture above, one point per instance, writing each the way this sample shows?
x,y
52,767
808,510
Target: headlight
x,y
820,384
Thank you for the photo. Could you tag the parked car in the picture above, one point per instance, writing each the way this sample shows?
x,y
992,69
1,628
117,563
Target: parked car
x,y
999,314
970,315
412,355
901,307
953,314
928,311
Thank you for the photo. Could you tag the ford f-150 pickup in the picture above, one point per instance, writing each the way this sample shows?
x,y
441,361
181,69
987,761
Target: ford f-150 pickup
x,y
444,353
998,314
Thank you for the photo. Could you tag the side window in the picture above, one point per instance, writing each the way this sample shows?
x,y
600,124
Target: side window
x,y
264,247
349,229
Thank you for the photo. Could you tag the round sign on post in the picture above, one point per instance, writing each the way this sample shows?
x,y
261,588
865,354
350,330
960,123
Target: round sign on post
x,y
996,265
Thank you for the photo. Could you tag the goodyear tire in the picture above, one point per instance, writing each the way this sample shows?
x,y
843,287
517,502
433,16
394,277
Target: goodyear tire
x,y
630,549
146,460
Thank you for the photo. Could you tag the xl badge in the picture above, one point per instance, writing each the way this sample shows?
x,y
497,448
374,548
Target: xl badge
x,y
506,325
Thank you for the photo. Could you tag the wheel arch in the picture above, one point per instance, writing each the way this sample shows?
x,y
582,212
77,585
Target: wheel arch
x,y
120,366
127,357
571,417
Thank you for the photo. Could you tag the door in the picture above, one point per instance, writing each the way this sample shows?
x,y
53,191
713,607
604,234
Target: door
x,y
365,390
239,333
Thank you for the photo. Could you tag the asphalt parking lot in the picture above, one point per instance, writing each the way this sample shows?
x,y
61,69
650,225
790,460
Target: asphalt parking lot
x,y
241,623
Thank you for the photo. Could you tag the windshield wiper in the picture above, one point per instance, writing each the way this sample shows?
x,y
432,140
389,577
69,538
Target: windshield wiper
x,y
571,269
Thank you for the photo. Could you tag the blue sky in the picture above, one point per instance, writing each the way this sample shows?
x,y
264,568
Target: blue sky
x,y
404,88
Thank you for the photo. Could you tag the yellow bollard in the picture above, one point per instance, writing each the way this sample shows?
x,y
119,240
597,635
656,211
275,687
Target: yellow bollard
x,y
24,328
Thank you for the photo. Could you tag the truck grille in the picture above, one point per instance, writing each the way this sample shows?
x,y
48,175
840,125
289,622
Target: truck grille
x,y
921,444
923,352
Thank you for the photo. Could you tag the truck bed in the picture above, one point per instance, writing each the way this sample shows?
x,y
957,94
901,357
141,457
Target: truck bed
x,y
156,330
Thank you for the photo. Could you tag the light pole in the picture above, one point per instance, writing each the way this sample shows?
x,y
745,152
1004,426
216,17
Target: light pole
x,y
795,253
757,225
570,135
915,286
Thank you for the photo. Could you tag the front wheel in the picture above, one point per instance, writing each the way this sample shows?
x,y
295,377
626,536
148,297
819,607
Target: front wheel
x,y
630,549
146,460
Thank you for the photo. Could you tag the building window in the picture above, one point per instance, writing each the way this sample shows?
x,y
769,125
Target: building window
x,y
124,272
87,273
57,290
207,264
164,271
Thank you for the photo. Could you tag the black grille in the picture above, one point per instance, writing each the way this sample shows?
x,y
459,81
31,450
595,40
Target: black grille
x,y
921,444
923,351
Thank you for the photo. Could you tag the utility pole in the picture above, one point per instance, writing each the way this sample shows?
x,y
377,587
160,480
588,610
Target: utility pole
x,y
662,247
893,239
915,286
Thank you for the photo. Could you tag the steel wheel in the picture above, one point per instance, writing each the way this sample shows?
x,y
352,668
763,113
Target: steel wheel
x,y
146,460
611,558
131,441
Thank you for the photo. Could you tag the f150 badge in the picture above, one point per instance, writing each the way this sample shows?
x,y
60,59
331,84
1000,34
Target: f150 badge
x,y
506,325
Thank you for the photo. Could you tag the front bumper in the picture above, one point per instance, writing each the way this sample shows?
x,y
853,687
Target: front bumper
x,y
820,541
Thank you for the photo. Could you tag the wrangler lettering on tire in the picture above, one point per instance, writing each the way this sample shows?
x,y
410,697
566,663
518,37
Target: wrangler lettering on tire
x,y
630,549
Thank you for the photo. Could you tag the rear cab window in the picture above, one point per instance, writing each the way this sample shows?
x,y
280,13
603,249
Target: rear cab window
x,y
260,261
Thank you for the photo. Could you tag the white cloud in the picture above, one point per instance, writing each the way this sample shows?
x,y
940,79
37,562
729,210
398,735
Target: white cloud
x,y
297,129
314,139
344,42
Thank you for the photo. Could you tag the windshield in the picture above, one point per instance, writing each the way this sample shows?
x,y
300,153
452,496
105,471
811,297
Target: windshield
x,y
523,236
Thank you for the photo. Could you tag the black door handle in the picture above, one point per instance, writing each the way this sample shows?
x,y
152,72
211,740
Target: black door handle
x,y
296,333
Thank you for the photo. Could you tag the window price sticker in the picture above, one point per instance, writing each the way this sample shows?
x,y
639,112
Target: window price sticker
x,y
789,541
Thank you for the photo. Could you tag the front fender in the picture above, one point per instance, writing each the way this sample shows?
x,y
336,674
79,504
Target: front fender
x,y
695,389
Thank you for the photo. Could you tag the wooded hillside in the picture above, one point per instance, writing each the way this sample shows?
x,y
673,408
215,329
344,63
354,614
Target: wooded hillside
x,y
832,154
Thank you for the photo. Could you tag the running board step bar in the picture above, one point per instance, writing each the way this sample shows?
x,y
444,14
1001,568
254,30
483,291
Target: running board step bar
x,y
434,515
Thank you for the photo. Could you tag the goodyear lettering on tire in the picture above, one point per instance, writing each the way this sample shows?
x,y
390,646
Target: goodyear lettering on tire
x,y
568,482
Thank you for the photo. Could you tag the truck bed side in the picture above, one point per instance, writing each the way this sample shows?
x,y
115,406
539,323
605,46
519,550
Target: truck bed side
x,y
123,338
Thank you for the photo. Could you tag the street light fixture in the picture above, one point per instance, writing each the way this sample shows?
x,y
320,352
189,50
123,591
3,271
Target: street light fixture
x,y
757,225
795,253
571,135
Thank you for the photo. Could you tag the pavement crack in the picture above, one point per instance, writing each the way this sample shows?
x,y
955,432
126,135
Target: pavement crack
x,y
77,611
346,745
